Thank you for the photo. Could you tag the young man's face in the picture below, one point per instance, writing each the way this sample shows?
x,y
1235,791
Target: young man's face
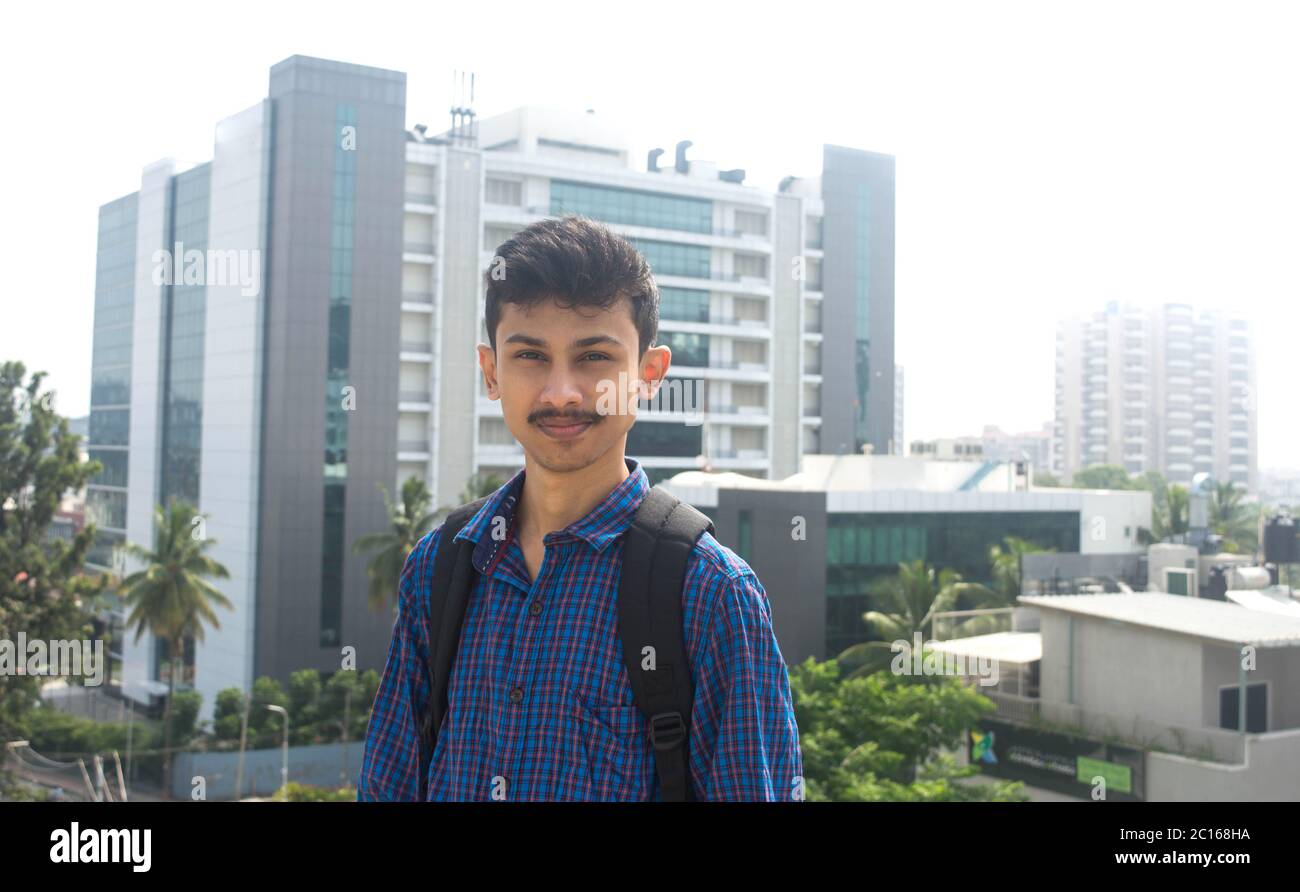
x,y
568,379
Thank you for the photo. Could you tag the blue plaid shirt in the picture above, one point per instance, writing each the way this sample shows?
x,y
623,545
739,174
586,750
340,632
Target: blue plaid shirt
x,y
539,703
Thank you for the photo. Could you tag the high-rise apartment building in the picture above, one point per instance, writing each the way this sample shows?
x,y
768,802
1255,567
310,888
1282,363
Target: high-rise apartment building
x,y
1169,389
778,306
289,326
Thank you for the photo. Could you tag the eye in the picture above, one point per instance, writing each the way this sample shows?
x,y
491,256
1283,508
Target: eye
x,y
527,353
601,355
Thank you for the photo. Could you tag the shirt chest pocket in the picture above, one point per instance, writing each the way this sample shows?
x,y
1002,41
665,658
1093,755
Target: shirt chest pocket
x,y
616,749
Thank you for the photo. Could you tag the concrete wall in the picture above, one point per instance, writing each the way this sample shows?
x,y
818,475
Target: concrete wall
x,y
785,439
1109,657
152,228
232,398
325,765
1268,775
793,572
306,93
459,306
1278,667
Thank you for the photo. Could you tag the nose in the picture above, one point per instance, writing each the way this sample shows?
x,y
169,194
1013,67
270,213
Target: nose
x,y
562,392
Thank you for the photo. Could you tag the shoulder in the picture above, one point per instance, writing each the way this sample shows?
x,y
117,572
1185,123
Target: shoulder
x,y
721,588
418,568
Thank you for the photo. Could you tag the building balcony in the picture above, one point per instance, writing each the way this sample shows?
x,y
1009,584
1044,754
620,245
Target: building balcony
x,y
417,297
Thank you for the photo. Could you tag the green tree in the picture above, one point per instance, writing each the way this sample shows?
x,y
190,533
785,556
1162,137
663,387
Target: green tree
x,y
171,596
907,604
1046,479
1103,477
480,485
1236,521
408,524
880,737
42,590
1006,560
1177,512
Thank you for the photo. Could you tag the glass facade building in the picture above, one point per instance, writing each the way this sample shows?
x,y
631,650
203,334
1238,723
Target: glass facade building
x,y
110,389
183,338
863,548
632,207
337,400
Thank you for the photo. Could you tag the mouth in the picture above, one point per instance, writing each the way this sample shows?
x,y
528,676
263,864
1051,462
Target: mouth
x,y
564,430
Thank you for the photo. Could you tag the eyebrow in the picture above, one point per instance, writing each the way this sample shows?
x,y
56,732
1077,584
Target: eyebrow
x,y
579,344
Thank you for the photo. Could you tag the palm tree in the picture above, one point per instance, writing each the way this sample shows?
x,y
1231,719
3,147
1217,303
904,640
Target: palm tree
x,y
409,523
908,602
1178,512
1006,560
1236,522
172,597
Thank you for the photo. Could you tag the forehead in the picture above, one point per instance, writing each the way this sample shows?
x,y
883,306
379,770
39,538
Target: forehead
x,y
547,319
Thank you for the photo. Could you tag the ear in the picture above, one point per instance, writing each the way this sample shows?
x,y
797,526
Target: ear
x,y
488,363
654,367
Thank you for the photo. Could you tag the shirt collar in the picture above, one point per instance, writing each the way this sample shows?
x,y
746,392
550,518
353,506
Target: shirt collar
x,y
601,526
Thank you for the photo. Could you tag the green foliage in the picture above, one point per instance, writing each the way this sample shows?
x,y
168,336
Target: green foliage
x,y
1236,521
880,737
316,710
1046,479
171,596
1005,559
1103,477
185,715
907,604
42,591
480,485
408,524
296,792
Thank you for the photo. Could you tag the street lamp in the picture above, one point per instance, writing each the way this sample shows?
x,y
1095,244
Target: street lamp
x,y
284,764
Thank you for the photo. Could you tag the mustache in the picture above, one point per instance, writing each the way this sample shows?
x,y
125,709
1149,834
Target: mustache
x,y
562,418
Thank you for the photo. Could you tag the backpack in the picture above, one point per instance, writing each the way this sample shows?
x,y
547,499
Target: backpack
x,y
657,545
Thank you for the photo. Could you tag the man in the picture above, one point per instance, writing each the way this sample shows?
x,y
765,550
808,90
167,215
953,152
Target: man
x,y
539,704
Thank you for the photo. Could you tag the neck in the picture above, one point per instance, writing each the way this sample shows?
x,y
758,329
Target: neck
x,y
552,500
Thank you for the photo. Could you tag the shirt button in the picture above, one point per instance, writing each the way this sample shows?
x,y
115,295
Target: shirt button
x,y
516,695
535,608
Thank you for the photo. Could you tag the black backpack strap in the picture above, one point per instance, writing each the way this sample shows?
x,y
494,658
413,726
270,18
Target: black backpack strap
x,y
453,578
656,549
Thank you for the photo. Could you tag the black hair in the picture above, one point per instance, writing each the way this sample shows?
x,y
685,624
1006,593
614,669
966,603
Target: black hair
x,y
575,261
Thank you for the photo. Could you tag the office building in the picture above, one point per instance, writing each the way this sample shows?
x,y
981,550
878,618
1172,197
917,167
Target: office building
x,y
231,372
284,329
1168,389
776,305
820,538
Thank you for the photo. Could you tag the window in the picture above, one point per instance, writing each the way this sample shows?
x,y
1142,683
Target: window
x,y
663,439
744,548
813,232
632,207
493,432
669,259
494,236
1256,707
688,349
751,265
508,192
751,222
683,304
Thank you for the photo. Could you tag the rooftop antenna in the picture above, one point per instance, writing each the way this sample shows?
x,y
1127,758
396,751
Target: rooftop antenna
x,y
464,125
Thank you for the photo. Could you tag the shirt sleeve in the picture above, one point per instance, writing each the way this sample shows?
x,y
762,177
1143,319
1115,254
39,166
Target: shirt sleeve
x,y
393,762
747,741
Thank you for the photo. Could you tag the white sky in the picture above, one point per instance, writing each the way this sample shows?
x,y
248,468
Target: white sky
x,y
1051,156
